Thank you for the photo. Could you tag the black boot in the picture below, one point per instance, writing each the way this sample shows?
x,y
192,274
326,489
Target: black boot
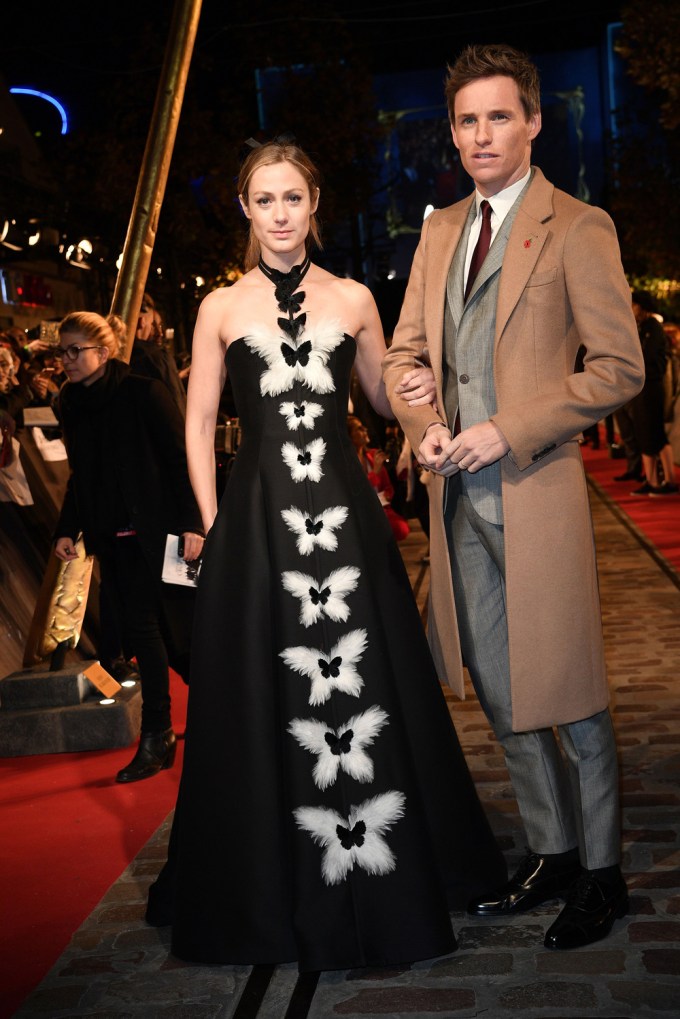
x,y
156,751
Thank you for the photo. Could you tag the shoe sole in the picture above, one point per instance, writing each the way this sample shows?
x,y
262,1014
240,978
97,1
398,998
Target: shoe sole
x,y
560,894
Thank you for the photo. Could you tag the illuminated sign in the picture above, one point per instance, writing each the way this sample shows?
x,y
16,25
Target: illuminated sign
x,y
47,98
24,289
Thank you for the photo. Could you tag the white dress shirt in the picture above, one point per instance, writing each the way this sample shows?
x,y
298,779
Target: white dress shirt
x,y
500,207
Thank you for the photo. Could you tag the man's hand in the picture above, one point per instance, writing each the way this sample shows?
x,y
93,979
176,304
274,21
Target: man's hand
x,y
470,450
436,437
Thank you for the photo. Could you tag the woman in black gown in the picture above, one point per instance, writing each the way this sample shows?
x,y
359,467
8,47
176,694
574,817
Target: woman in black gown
x,y
325,814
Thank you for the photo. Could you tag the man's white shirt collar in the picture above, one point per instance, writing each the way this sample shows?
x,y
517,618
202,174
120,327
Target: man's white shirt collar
x,y
503,201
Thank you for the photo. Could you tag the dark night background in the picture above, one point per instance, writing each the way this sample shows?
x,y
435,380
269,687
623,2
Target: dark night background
x,y
324,71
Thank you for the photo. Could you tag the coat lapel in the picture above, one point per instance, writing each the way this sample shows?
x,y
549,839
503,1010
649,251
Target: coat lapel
x,y
527,237
445,233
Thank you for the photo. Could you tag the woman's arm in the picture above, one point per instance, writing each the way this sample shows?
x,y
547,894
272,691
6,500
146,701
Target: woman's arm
x,y
417,386
370,349
207,378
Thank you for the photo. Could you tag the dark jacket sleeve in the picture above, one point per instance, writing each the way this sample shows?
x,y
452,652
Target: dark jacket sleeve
x,y
67,525
165,426
154,362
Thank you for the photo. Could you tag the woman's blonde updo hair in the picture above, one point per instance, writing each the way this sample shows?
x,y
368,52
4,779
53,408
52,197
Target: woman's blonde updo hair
x,y
267,155
109,331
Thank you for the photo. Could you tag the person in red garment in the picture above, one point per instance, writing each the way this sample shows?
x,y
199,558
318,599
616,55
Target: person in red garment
x,y
373,462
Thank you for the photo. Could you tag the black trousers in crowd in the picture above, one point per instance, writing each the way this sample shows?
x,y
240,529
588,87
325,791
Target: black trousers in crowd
x,y
139,608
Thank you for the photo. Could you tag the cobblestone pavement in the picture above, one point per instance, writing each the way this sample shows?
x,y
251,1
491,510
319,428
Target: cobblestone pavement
x,y
116,966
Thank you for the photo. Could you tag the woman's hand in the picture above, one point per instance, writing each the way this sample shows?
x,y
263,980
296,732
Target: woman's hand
x,y
193,546
417,387
64,549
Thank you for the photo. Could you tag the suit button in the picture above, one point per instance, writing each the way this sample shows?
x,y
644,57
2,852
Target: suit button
x,y
464,379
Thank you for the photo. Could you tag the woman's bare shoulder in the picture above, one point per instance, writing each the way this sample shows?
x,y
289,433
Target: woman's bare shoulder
x,y
227,295
348,290
226,308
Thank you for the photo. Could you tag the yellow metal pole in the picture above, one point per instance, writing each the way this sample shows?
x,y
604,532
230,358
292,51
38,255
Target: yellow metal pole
x,y
141,235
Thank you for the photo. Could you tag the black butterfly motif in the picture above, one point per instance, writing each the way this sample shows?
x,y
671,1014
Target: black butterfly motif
x,y
299,355
331,668
313,528
292,327
351,836
293,303
305,458
300,411
321,596
339,744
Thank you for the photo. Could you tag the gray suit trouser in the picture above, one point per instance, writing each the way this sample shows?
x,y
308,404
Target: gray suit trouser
x,y
566,787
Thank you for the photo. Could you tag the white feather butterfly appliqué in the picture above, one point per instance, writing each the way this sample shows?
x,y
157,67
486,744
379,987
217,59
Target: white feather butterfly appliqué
x,y
306,462
304,360
328,672
318,530
343,747
359,839
326,598
300,415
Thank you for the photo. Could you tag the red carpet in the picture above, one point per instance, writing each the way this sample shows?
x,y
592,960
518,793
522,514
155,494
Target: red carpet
x,y
657,518
68,832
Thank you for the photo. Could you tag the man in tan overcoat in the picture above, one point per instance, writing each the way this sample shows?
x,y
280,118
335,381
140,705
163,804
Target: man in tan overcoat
x,y
514,594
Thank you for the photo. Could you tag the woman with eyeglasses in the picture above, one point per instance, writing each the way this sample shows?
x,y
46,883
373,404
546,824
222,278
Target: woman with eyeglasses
x,y
129,488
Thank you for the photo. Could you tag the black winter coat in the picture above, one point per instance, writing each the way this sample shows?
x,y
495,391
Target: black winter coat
x,y
125,436
158,363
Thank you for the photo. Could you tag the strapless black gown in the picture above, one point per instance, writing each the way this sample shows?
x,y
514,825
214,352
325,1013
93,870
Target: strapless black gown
x,y
325,814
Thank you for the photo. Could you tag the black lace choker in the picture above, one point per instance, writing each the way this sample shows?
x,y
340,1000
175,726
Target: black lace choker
x,y
286,292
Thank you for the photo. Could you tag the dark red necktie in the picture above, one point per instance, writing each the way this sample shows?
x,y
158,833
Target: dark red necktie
x,y
481,248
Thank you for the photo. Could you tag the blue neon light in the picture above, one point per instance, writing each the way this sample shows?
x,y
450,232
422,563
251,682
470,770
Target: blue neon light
x,y
50,99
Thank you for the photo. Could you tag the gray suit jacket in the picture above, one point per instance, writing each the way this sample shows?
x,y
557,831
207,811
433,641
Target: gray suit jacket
x,y
469,330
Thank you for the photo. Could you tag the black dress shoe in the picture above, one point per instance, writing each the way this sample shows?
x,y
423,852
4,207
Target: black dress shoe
x,y
156,752
537,879
589,914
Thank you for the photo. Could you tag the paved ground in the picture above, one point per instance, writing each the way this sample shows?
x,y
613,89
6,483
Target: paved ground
x,y
116,966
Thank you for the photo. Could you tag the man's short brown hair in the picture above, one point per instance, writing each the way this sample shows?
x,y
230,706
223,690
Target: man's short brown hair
x,y
477,62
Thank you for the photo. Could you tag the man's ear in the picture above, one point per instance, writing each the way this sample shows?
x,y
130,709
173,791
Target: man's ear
x,y
244,206
453,135
534,125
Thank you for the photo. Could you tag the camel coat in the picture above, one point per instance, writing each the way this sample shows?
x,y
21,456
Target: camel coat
x,y
561,285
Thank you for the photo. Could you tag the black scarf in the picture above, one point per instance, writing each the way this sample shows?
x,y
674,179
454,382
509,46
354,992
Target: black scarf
x,y
95,398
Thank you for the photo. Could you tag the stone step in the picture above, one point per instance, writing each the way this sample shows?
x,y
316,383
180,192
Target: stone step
x,y
87,725
44,689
